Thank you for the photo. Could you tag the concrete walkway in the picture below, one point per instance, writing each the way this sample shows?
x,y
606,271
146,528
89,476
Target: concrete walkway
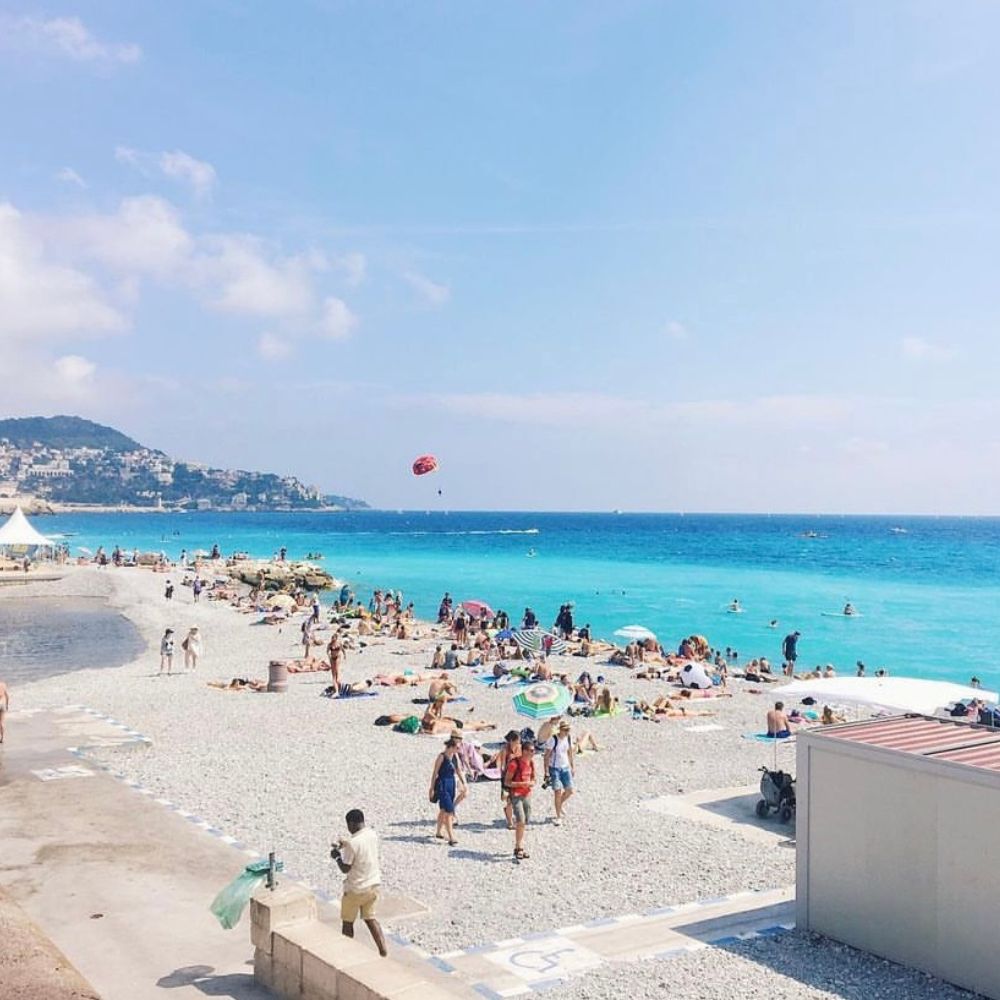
x,y
119,885
520,965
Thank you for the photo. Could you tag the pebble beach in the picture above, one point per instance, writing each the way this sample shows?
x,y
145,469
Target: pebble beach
x,y
279,772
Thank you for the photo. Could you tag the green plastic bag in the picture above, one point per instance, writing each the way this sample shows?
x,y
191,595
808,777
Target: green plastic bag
x,y
229,905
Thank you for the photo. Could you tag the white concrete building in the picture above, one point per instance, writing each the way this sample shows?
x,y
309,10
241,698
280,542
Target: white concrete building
x,y
896,828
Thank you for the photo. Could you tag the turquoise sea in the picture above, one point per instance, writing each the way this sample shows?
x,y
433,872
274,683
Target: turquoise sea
x,y
928,589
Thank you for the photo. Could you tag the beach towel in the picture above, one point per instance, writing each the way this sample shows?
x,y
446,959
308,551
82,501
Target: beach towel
x,y
427,701
508,681
473,761
602,714
764,738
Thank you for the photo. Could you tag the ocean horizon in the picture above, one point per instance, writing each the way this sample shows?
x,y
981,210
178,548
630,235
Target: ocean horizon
x,y
924,585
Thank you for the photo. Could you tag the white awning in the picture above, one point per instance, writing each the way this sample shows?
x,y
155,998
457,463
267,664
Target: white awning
x,y
17,531
890,694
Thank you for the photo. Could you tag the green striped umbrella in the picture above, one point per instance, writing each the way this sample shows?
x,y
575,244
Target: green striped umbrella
x,y
542,700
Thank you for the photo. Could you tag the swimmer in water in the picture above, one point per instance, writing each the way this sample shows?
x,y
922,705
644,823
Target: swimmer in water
x,y
773,623
735,605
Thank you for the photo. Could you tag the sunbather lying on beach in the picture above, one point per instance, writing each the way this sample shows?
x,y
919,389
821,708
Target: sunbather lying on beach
x,y
239,684
400,680
308,666
434,726
348,690
663,708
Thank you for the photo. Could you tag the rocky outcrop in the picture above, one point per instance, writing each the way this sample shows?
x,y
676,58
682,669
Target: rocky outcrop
x,y
282,575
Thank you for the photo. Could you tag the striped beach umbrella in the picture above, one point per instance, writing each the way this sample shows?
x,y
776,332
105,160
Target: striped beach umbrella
x,y
533,639
542,700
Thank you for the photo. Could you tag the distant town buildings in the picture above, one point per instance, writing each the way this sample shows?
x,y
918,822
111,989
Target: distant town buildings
x,y
144,477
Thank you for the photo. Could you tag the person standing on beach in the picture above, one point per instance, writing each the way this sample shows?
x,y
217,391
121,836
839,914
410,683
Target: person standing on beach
x,y
307,639
560,768
196,588
192,648
445,782
4,707
316,608
789,648
519,778
167,651
511,750
168,591
335,656
357,858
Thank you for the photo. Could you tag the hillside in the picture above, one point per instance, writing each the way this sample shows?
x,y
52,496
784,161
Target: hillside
x,y
70,460
64,432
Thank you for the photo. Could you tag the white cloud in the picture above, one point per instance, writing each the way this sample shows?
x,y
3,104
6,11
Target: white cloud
x,y
67,36
338,320
73,369
145,236
177,165
272,348
431,292
676,331
42,298
181,166
245,279
919,349
70,176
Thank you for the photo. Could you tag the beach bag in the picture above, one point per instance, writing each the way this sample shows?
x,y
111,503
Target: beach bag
x,y
411,724
229,904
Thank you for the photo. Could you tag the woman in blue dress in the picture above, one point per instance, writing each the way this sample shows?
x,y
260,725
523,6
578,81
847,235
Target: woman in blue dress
x,y
444,787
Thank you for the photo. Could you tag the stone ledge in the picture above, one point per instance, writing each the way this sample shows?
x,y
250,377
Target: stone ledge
x,y
299,958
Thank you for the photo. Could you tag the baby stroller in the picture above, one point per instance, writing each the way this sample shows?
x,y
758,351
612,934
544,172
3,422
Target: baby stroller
x,y
778,791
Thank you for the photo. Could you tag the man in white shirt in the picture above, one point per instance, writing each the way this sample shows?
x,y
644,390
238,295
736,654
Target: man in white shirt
x,y
357,858
560,767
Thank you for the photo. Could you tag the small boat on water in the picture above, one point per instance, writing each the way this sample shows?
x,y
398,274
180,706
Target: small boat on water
x,y
898,531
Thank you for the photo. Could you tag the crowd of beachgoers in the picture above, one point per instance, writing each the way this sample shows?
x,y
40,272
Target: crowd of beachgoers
x,y
414,720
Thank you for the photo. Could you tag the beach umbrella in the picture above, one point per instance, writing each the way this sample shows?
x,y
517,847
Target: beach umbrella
x,y
532,638
886,694
542,700
504,633
281,601
476,609
637,632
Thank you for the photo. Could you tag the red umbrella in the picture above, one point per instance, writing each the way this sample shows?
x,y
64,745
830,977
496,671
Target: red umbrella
x,y
477,608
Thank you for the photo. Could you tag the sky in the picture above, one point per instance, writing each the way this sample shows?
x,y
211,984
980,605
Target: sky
x,y
628,255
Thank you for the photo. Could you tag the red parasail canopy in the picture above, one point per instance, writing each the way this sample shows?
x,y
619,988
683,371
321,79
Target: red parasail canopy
x,y
424,464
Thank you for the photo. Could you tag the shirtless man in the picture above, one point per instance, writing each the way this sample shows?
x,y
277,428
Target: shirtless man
x,y
4,706
777,722
336,655
441,689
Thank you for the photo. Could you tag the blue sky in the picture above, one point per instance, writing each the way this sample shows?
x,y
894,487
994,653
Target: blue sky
x,y
650,256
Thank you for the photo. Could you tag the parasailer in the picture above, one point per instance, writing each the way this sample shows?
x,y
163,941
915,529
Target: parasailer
x,y
424,464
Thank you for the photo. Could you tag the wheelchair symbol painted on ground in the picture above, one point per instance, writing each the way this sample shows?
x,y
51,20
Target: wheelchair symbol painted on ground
x,y
548,958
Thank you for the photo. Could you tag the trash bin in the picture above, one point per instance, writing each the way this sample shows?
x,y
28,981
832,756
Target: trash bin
x,y
277,676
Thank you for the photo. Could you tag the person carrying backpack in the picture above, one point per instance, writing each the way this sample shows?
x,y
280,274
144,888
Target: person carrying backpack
x,y
519,779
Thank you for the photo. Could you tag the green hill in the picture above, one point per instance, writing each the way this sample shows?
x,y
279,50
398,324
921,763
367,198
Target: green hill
x,y
64,432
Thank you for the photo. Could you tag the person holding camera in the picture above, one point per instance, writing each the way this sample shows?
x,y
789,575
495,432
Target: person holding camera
x,y
357,857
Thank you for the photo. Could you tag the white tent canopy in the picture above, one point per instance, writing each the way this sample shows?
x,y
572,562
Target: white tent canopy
x,y
17,531
888,694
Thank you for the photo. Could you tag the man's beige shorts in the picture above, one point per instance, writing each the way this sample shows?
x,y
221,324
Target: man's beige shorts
x,y
362,902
